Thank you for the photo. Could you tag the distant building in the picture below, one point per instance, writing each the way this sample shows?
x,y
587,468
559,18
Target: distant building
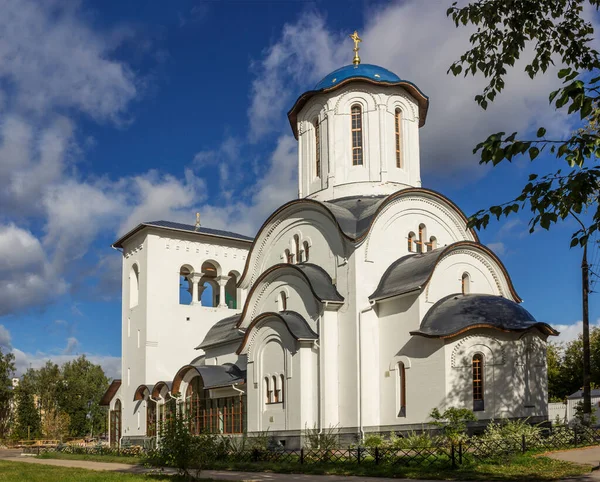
x,y
362,305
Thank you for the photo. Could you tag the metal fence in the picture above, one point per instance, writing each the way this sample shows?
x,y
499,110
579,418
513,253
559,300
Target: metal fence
x,y
440,453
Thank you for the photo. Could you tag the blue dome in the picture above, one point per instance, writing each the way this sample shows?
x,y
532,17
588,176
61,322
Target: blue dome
x,y
366,71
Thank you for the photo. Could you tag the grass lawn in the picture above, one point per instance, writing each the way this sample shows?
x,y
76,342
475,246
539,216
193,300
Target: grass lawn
x,y
22,471
119,459
520,468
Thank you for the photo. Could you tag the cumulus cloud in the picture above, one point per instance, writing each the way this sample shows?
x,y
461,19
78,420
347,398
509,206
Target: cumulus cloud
x,y
72,346
27,278
571,331
5,339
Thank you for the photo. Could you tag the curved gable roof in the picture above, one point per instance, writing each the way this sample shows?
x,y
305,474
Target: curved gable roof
x,y
458,313
224,331
213,376
413,271
295,323
319,282
354,216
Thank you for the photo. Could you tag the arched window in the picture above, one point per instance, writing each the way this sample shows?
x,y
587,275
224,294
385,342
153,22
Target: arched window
x,y
465,281
398,118
185,286
478,382
134,286
317,148
306,251
411,242
282,301
231,291
422,237
150,418
289,257
275,390
298,253
209,291
115,424
402,389
432,244
281,393
267,390
357,136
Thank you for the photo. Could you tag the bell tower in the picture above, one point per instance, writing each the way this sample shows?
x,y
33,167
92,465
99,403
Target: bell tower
x,y
358,133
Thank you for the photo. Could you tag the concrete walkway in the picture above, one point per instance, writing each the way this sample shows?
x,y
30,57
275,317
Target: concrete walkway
x,y
586,456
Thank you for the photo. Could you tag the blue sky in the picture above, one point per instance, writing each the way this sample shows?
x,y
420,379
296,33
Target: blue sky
x,y
113,113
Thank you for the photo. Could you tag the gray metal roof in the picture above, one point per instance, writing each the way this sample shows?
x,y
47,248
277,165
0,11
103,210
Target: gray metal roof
x,y
298,326
224,331
457,313
190,228
407,274
214,376
579,394
355,213
320,282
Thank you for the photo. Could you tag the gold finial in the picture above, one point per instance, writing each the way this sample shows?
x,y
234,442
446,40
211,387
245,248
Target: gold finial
x,y
197,220
357,40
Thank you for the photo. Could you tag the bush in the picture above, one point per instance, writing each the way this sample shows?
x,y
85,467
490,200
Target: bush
x,y
187,453
510,433
453,422
327,439
413,440
373,440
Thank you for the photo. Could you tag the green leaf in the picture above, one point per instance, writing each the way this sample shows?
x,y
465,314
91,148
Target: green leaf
x,y
563,72
533,153
541,132
574,242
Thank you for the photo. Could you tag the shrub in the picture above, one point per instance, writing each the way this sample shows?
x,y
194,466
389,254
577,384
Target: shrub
x,y
373,440
453,422
326,439
509,434
413,440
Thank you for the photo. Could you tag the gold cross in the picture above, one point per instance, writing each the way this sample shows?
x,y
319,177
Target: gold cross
x,y
357,40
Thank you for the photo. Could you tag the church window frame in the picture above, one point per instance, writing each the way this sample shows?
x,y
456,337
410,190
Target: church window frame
x,y
298,251
306,246
268,391
398,132
281,389
282,301
289,257
402,389
317,128
412,242
134,286
465,282
432,244
478,373
420,242
356,133
276,390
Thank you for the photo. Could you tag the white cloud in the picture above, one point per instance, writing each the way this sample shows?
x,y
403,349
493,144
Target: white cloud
x,y
72,346
26,277
499,248
571,331
53,59
5,339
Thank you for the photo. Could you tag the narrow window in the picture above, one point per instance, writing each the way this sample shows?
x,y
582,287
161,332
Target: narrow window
x,y
317,148
298,253
306,251
402,386
275,390
357,136
478,382
398,118
421,241
281,380
289,257
282,301
465,281
267,390
432,244
411,242
134,286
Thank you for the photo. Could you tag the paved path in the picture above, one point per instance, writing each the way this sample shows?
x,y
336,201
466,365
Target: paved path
x,y
584,456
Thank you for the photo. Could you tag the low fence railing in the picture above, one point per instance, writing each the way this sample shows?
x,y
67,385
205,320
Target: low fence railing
x,y
438,453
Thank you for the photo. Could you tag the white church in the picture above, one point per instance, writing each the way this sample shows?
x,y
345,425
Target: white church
x,y
360,306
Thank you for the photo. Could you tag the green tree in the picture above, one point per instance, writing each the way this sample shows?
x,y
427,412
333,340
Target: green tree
x,y
83,384
556,32
7,370
28,423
